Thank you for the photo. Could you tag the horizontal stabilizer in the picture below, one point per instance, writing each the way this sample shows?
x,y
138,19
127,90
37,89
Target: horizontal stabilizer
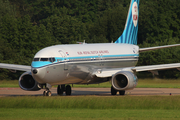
x,y
158,47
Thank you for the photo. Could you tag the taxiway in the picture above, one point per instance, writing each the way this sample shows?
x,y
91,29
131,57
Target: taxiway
x,y
91,91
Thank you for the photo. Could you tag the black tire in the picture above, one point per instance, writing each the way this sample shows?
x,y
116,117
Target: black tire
x,y
59,90
68,90
63,88
122,92
44,93
113,91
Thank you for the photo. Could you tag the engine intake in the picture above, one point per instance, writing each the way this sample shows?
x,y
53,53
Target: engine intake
x,y
27,82
124,80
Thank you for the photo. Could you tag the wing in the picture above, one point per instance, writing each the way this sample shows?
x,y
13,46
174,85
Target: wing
x,y
15,67
152,68
158,47
156,67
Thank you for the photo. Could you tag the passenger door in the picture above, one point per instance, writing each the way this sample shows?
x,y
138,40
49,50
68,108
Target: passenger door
x,y
64,59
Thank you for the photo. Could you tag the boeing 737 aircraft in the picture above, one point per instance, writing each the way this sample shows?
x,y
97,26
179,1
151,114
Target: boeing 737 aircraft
x,y
89,63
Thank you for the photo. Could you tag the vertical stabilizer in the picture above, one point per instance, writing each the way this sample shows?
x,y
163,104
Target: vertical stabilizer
x,y
129,35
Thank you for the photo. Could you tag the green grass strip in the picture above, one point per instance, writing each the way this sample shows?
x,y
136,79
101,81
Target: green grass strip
x,y
158,83
87,114
9,83
93,102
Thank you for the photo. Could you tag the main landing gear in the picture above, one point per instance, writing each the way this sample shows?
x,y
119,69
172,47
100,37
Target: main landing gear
x,y
114,91
63,88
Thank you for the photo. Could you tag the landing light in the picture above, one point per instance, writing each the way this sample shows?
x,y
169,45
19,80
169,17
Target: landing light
x,y
99,71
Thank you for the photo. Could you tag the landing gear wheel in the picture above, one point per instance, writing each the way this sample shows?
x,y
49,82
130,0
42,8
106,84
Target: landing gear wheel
x,y
113,91
68,90
60,90
44,93
122,92
48,93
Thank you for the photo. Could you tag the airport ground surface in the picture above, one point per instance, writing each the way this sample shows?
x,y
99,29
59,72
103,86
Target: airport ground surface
x,y
91,91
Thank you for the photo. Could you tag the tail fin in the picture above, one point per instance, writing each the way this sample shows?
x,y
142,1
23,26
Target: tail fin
x,y
129,35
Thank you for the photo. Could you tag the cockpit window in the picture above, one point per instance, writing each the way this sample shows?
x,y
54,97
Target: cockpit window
x,y
36,59
51,59
44,59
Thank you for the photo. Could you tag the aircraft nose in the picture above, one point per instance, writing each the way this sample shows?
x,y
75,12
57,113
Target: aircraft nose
x,y
38,74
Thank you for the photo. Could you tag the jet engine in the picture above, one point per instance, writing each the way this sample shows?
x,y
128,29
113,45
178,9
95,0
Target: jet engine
x,y
27,82
124,80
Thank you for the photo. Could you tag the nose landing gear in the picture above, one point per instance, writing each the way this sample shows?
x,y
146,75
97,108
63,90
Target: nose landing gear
x,y
47,93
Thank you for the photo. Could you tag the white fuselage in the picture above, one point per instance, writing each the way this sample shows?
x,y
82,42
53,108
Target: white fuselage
x,y
74,64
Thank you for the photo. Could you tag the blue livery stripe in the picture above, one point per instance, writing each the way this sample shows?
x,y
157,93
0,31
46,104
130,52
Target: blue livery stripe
x,y
37,64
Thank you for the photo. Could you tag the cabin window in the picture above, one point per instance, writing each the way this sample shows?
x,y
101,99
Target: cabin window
x,y
59,60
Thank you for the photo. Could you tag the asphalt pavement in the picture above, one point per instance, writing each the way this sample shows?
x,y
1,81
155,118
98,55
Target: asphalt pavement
x,y
91,91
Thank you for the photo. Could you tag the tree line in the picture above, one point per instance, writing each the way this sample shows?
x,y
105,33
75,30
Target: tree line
x,y
26,26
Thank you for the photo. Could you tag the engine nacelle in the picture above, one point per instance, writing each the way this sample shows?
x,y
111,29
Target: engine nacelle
x,y
27,82
124,80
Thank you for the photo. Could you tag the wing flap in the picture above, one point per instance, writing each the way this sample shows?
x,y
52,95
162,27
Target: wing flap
x,y
15,67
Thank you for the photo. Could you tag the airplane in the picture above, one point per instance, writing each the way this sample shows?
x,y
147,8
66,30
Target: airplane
x,y
84,63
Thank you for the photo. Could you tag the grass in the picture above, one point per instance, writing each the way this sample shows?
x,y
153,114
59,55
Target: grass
x,y
93,102
158,83
87,114
142,83
90,107
9,83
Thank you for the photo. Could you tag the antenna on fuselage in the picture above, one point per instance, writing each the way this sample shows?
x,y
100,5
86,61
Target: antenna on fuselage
x,y
84,42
